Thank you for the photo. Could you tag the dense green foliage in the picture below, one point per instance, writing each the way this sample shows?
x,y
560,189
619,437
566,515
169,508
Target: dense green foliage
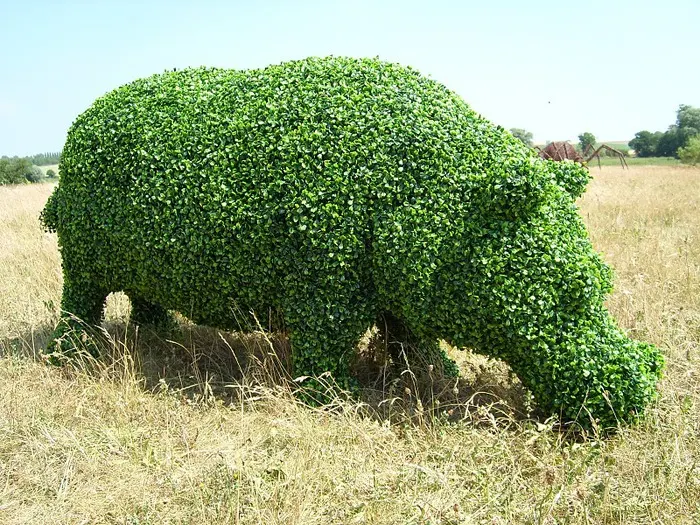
x,y
645,143
17,170
51,174
336,193
667,144
13,170
690,154
35,174
523,135
688,121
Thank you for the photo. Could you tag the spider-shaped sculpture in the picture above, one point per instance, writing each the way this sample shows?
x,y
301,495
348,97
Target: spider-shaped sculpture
x,y
563,150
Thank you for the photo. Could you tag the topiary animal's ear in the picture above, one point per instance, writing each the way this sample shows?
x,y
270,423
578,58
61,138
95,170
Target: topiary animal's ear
x,y
512,188
570,176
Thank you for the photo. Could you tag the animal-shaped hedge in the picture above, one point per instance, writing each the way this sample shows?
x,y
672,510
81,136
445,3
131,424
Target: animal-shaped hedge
x,y
337,193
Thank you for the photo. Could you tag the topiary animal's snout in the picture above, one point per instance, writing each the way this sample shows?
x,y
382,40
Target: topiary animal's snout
x,y
599,379
627,382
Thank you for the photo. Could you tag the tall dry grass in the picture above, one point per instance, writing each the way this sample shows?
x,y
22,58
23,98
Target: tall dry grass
x,y
201,429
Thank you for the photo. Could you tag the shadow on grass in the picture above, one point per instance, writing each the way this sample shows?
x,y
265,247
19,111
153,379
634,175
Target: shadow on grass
x,y
202,364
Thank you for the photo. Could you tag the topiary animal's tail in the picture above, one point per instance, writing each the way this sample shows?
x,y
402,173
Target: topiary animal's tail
x,y
49,215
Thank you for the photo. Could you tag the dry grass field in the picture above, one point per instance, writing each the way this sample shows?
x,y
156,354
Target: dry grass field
x,y
172,431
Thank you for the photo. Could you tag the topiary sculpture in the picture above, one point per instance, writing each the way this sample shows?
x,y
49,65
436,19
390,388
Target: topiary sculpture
x,y
337,192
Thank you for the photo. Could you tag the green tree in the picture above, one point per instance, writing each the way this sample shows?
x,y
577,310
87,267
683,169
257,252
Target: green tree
x,y
690,154
686,127
645,143
688,124
51,174
523,135
669,142
586,140
14,170
34,174
688,120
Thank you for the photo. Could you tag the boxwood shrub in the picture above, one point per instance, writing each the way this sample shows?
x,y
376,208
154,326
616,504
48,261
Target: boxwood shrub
x,y
337,193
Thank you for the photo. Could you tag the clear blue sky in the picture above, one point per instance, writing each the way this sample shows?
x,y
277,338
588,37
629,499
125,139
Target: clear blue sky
x,y
556,69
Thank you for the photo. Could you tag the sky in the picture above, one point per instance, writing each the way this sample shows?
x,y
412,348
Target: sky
x,y
556,69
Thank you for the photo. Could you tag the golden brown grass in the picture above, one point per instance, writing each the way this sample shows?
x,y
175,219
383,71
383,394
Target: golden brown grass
x,y
171,432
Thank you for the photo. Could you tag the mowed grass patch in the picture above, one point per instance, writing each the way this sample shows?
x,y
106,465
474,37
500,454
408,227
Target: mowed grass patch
x,y
162,432
634,161
53,167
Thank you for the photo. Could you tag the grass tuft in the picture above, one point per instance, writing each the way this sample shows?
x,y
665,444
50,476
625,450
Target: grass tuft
x,y
204,426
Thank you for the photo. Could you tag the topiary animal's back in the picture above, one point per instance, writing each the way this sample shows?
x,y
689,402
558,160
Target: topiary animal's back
x,y
202,183
335,192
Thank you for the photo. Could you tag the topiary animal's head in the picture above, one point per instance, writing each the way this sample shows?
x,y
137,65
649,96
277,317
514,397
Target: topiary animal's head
x,y
531,291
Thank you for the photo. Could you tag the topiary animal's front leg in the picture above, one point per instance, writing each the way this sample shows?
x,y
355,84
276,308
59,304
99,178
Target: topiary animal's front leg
x,y
82,306
402,344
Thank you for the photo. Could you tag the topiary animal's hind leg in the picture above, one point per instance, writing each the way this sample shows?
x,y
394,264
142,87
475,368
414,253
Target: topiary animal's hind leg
x,y
82,306
404,345
144,312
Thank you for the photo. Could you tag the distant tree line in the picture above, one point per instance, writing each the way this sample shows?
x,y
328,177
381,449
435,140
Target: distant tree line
x,y
669,143
46,159
18,170
586,141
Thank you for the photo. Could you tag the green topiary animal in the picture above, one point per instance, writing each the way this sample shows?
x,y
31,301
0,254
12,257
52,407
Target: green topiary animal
x,y
339,193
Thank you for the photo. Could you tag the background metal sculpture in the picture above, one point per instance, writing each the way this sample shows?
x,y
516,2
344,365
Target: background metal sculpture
x,y
562,150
